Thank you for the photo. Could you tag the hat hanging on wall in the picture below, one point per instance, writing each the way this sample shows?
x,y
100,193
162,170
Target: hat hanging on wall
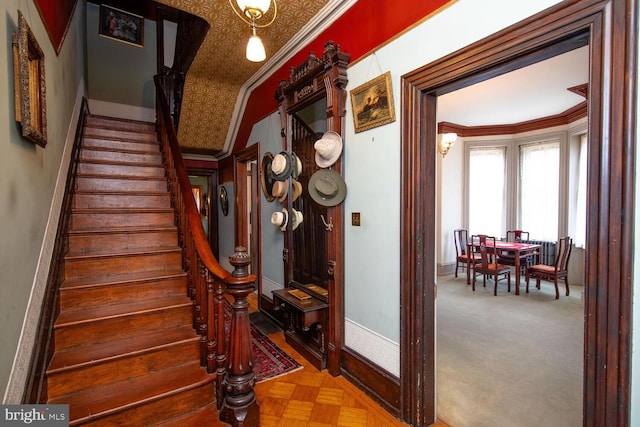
x,y
281,166
280,190
296,189
266,178
328,149
327,188
280,219
296,219
296,165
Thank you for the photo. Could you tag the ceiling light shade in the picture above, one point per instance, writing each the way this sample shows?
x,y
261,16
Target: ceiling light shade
x,y
254,7
255,49
446,141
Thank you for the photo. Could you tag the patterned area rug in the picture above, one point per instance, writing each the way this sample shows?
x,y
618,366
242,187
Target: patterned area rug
x,y
270,360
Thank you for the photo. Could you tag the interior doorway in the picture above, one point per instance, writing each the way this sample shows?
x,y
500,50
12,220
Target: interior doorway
x,y
611,106
247,208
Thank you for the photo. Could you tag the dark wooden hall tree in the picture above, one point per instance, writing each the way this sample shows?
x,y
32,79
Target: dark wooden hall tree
x,y
318,335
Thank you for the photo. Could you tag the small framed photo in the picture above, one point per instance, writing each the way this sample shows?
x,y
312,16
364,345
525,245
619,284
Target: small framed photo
x,y
372,103
122,26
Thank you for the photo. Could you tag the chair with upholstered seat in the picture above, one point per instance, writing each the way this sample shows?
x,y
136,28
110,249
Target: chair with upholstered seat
x,y
485,247
553,272
461,239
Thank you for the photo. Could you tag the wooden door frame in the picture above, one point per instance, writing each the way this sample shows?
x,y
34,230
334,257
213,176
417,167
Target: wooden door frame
x,y
611,28
212,194
240,174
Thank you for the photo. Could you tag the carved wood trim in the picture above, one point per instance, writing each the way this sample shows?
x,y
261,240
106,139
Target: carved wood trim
x,y
315,78
610,28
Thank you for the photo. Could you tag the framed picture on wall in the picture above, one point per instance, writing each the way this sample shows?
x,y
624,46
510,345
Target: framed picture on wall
x,y
122,26
372,103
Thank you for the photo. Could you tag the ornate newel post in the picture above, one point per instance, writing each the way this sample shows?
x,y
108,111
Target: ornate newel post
x,y
240,407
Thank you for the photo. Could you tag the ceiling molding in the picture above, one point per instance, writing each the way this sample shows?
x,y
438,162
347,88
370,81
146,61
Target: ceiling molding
x,y
310,31
569,116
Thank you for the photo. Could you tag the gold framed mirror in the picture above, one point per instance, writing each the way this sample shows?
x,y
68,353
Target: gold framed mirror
x,y
29,84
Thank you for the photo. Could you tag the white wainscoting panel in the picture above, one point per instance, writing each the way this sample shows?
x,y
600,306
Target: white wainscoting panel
x,y
380,350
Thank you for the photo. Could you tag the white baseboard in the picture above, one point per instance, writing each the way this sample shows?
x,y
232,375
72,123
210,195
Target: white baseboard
x,y
122,111
268,286
20,369
378,349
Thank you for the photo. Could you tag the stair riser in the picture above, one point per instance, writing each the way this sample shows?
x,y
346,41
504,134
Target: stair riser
x,y
122,326
120,145
85,267
94,122
82,221
121,157
90,242
121,184
120,368
102,201
120,135
120,170
157,410
115,293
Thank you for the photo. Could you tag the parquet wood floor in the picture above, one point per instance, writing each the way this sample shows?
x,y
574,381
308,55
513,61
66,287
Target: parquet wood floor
x,y
312,398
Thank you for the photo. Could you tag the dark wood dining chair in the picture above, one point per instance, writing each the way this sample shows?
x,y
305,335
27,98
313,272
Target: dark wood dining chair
x,y
461,239
485,246
517,236
553,272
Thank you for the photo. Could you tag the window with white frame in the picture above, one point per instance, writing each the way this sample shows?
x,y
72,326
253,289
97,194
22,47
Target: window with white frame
x,y
487,195
580,223
538,192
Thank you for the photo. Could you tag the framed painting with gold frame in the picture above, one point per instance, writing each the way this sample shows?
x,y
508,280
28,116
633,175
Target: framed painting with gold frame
x,y
372,103
29,84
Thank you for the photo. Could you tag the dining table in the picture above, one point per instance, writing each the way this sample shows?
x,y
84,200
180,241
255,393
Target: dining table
x,y
517,250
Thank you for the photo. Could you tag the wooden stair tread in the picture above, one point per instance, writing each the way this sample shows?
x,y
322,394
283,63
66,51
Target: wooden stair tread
x,y
123,177
133,210
108,252
116,279
84,315
70,358
123,150
122,193
153,164
115,397
124,229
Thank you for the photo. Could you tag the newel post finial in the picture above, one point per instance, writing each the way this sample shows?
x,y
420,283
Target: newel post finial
x,y
240,407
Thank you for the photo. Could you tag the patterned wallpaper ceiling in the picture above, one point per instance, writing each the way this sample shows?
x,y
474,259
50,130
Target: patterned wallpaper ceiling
x,y
220,68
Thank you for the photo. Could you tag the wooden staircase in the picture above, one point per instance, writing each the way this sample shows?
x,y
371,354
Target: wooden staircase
x,y
125,349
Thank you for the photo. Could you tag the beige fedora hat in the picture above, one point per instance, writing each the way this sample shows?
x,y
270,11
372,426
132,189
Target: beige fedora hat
x,y
328,149
281,166
280,219
296,189
296,219
280,190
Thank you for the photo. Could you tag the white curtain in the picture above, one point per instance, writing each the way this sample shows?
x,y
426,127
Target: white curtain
x,y
538,192
487,191
580,231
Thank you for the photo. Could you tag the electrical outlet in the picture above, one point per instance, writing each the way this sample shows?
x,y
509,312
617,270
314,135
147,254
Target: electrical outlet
x,y
355,219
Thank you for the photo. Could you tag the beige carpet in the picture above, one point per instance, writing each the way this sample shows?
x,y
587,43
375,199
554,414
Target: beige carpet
x,y
506,360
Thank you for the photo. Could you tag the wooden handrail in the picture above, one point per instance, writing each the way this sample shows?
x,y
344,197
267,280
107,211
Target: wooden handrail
x,y
207,281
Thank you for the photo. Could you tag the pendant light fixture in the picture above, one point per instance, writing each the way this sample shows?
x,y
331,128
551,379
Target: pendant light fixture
x,y
251,12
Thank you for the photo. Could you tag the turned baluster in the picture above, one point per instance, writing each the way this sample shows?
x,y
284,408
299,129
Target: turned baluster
x,y
240,407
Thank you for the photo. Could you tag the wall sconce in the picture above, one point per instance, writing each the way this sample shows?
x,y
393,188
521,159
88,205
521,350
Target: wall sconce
x,y
446,141
251,11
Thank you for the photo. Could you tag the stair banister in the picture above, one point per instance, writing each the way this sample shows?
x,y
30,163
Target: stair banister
x,y
208,280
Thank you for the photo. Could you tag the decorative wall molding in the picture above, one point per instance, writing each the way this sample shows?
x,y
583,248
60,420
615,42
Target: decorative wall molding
x,y
363,340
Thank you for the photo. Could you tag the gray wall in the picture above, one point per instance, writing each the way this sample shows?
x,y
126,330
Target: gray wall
x,y
118,72
30,190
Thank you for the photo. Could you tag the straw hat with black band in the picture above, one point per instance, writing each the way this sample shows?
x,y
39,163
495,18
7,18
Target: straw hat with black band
x,y
281,166
280,219
296,219
327,188
296,189
280,190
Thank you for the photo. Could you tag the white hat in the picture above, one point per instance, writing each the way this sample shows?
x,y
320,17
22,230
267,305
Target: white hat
x,y
296,219
328,149
280,219
281,166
